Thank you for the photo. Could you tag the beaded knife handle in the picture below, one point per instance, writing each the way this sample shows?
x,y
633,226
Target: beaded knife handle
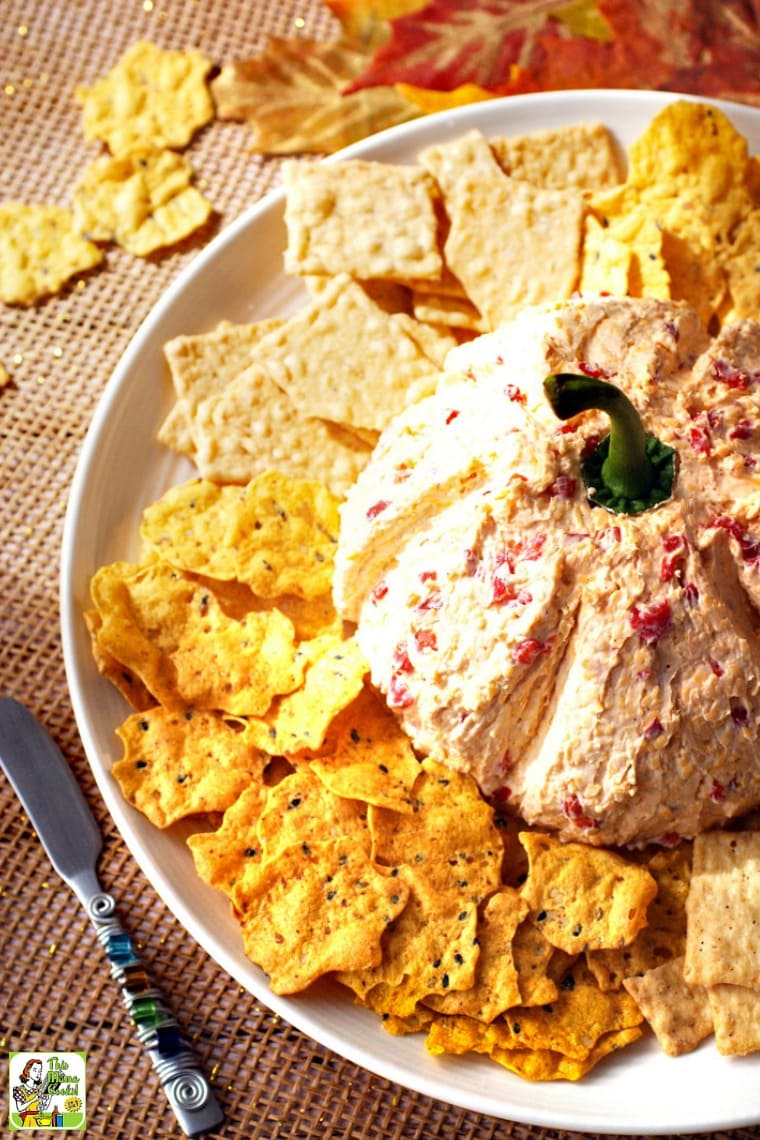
x,y
60,815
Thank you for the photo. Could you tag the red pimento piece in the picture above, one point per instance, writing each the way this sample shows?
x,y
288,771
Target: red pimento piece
x,y
428,575
725,522
563,487
672,565
653,729
668,839
501,795
742,429
531,648
399,696
452,415
717,792
377,508
690,595
379,592
573,810
716,667
739,714
513,393
425,639
595,371
699,438
401,660
733,377
503,593
651,622
434,601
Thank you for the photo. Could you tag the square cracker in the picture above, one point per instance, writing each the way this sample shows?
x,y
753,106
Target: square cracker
x,y
582,155
343,358
679,1013
736,1017
510,243
723,910
368,219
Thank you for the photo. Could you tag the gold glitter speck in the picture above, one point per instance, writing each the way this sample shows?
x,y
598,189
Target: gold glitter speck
x,y
57,351
10,89
22,30
148,5
299,22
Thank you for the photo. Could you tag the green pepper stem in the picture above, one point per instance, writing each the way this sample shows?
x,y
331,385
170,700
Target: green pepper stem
x,y
627,470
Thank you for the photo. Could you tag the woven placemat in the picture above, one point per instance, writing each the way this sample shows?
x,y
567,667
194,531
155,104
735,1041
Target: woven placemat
x,y
55,988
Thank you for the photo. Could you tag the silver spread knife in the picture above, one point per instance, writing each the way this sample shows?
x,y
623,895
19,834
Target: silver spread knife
x,y
67,829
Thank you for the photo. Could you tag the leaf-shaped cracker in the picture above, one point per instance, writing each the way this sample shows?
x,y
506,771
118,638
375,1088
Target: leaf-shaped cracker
x,y
292,97
40,250
151,97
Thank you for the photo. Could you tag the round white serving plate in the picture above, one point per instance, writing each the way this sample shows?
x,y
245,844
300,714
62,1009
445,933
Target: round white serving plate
x,y
239,276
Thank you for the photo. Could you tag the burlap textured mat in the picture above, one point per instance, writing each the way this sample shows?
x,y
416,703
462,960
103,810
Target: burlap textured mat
x,y
55,989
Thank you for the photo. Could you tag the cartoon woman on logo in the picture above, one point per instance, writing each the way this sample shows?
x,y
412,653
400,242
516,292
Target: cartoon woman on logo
x,y
29,1096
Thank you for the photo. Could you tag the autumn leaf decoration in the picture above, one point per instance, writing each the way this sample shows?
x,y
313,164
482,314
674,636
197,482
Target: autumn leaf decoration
x,y
394,60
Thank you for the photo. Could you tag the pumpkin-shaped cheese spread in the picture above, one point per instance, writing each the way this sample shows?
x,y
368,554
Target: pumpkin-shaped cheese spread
x,y
599,672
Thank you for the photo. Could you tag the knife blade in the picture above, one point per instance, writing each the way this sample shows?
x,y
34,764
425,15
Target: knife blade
x,y
61,816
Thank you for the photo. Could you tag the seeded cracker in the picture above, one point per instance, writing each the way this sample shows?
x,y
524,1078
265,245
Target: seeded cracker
x,y
723,910
151,97
736,1018
142,201
678,1013
40,250
367,219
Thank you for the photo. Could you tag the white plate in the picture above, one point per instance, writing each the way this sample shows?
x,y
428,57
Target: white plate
x,y
239,276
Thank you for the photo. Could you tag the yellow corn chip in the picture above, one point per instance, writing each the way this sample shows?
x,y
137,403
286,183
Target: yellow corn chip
x,y
496,987
664,935
40,250
367,756
129,685
449,834
583,897
142,201
547,1065
284,532
184,527
301,810
331,681
151,97
318,908
184,763
431,948
221,856
606,261
172,632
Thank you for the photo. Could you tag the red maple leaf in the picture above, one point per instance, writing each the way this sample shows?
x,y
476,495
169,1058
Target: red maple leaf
x,y
508,46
